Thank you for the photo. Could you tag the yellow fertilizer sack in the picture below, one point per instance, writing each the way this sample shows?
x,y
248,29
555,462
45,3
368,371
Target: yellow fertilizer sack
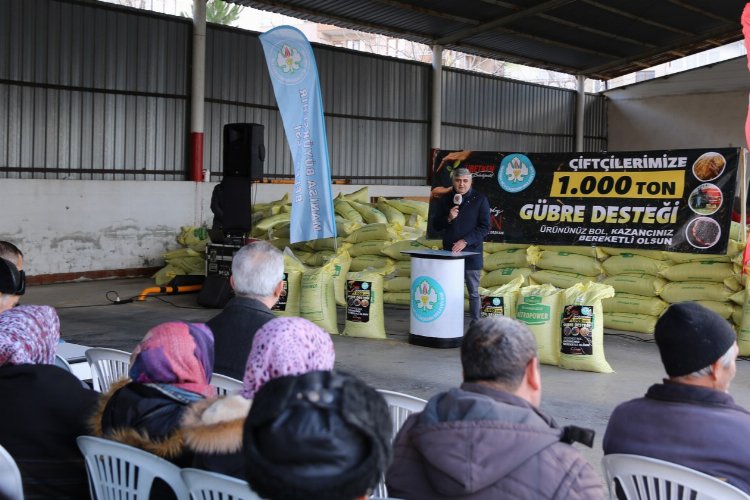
x,y
315,259
361,195
394,216
341,262
289,301
628,263
565,262
280,231
629,322
702,270
681,291
582,328
500,301
723,309
505,275
397,284
651,254
403,267
370,214
434,244
317,299
594,252
325,244
370,247
362,262
280,243
381,231
193,237
397,298
558,279
345,210
346,227
513,257
743,332
492,247
166,274
636,284
539,308
394,249
270,222
733,283
409,207
364,305
636,304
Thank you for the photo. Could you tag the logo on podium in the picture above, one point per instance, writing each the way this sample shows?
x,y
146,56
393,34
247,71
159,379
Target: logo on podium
x,y
427,299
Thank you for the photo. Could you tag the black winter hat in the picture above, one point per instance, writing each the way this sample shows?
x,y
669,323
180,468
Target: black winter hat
x,y
691,337
319,435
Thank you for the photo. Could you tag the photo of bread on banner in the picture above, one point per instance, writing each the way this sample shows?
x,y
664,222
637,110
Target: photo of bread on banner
x,y
442,174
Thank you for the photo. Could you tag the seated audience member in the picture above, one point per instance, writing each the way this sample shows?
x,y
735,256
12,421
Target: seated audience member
x,y
689,418
323,435
257,273
488,439
283,346
12,278
44,407
169,370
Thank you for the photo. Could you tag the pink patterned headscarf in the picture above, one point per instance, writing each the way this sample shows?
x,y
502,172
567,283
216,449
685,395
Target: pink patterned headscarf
x,y
28,335
178,354
286,346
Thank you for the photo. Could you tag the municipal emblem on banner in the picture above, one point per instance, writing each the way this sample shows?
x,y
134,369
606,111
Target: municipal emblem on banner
x,y
290,66
516,173
428,299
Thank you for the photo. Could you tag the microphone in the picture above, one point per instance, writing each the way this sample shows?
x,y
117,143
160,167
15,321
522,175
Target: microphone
x,y
457,199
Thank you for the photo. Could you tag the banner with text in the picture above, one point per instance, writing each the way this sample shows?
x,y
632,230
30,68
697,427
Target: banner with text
x,y
296,85
679,200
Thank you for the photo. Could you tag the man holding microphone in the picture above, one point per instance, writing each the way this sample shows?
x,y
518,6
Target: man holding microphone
x,y
463,215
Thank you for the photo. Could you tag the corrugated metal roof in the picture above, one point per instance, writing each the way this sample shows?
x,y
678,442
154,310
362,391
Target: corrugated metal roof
x,y
599,39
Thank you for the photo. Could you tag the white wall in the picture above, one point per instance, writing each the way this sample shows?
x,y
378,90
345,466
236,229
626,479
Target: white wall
x,y
67,226
677,121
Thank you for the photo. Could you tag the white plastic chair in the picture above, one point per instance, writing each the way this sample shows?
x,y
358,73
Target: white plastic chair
x,y
107,366
118,471
400,406
205,485
225,385
644,478
11,486
62,363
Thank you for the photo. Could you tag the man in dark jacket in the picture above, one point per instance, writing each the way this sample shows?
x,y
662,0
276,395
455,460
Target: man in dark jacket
x,y
464,216
488,439
689,419
257,280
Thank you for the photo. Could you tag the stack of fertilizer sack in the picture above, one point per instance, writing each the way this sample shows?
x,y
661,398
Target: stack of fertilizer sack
x,y
190,258
360,270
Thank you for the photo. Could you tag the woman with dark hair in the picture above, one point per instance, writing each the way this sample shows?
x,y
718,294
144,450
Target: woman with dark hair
x,y
44,407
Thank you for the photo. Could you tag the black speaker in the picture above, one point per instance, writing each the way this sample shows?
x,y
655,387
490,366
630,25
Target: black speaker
x,y
244,150
216,292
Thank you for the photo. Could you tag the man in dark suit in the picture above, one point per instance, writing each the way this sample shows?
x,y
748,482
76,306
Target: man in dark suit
x,y
464,215
257,280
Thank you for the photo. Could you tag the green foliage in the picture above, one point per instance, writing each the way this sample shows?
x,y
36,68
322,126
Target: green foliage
x,y
219,12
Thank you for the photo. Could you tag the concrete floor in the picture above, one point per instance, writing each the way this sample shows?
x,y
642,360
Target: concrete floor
x,y
581,398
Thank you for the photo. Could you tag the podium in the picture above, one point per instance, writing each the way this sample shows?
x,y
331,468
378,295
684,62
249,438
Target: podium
x,y
437,298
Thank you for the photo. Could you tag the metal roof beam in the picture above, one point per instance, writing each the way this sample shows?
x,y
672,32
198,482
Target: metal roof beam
x,y
499,22
640,19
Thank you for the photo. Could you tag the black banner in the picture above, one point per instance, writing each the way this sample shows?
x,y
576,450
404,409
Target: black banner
x,y
679,200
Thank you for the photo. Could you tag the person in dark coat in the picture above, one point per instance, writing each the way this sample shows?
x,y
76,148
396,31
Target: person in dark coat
x,y
257,280
169,369
322,435
488,439
213,428
464,216
689,419
44,407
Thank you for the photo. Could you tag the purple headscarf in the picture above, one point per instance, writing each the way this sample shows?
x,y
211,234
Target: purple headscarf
x,y
178,354
286,346
28,335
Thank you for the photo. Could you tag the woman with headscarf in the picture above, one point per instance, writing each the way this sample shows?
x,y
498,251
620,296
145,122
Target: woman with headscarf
x,y
283,346
44,408
169,370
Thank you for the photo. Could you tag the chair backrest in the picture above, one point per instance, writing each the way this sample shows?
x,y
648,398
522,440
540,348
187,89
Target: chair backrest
x,y
643,478
400,406
119,471
11,486
107,366
225,385
63,363
205,485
